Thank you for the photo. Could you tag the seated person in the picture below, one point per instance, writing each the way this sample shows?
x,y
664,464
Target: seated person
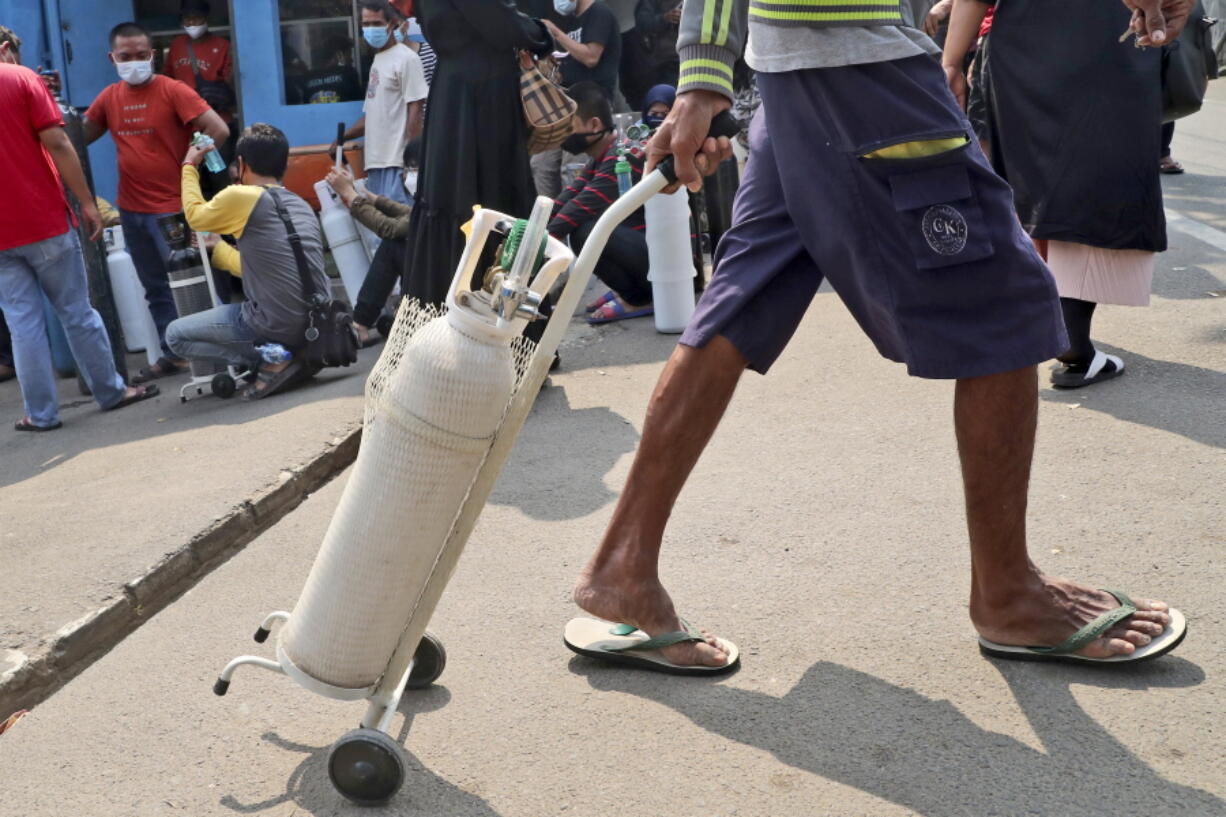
x,y
275,310
623,265
657,102
388,219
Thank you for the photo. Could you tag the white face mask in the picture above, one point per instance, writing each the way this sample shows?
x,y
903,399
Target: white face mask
x,y
195,32
137,72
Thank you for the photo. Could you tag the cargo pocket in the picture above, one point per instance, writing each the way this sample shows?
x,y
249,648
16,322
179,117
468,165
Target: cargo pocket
x,y
937,208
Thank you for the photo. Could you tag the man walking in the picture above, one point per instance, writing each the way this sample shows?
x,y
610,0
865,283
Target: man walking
x,y
395,96
863,172
152,119
40,252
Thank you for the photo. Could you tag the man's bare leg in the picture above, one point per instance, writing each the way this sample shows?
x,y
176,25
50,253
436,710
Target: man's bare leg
x,y
1012,602
621,582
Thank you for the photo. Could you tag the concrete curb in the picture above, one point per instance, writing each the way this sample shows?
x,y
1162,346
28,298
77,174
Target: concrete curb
x,y
26,681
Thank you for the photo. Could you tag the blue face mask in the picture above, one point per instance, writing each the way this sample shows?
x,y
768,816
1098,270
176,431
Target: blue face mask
x,y
375,37
399,35
565,7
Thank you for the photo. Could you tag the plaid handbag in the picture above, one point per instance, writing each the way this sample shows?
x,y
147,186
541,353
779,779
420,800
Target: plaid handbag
x,y
547,108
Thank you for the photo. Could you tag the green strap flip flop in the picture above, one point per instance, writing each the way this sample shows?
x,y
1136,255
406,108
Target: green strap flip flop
x,y
628,646
1065,651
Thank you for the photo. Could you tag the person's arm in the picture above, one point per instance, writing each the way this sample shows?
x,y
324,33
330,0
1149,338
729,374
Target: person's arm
x,y
938,14
64,157
415,121
384,217
588,54
225,73
211,124
590,199
94,121
227,212
225,257
964,22
502,26
355,131
1158,21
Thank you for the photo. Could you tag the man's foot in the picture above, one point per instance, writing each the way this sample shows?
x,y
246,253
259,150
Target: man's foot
x,y
1050,609
366,338
135,394
165,367
271,377
1169,166
614,596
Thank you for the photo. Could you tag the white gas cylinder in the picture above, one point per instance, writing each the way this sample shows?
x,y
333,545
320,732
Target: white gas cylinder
x,y
348,251
672,263
139,331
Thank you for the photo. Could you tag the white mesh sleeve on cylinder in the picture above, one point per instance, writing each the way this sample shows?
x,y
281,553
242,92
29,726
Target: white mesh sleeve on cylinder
x,y
433,415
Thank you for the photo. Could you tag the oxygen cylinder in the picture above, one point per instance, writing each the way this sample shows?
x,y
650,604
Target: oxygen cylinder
x,y
139,331
428,434
671,270
348,250
189,283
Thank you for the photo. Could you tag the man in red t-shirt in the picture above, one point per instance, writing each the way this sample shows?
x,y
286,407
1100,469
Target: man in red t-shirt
x,y
151,118
211,56
40,252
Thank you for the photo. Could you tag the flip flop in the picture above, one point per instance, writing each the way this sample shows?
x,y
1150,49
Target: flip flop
x,y
1171,638
1102,367
1169,166
165,368
142,393
623,644
615,310
25,424
601,301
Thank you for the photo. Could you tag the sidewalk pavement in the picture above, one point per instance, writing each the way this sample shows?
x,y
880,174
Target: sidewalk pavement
x,y
106,520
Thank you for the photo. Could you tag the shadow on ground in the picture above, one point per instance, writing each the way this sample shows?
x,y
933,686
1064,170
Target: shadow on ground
x,y
1162,394
566,454
923,754
423,792
25,455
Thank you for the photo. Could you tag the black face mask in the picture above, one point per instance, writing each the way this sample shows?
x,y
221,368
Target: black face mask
x,y
654,120
580,142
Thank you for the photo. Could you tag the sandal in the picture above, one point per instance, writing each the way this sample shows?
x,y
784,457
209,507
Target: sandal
x,y
26,424
141,393
615,310
601,301
272,381
165,367
1169,166
1102,367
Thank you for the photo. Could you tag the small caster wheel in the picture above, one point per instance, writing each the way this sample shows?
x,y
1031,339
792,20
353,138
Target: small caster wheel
x,y
428,662
384,324
223,386
366,766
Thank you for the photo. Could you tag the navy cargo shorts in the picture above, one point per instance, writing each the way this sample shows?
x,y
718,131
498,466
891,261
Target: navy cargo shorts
x,y
927,253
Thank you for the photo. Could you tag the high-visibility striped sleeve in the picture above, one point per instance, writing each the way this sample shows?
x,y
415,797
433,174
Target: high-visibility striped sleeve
x,y
711,38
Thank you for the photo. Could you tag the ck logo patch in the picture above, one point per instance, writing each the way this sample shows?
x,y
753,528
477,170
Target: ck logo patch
x,y
945,229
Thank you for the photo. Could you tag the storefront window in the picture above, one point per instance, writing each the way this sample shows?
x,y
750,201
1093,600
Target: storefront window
x,y
319,51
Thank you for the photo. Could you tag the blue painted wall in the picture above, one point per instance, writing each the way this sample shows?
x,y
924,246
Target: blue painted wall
x,y
257,45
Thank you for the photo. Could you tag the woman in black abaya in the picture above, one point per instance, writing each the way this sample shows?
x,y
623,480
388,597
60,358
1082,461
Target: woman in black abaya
x,y
474,147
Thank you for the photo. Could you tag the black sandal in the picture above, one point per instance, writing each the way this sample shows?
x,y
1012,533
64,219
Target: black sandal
x,y
165,367
142,393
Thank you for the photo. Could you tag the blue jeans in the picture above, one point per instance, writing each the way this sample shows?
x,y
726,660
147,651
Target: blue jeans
x,y
55,267
219,334
388,181
150,252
